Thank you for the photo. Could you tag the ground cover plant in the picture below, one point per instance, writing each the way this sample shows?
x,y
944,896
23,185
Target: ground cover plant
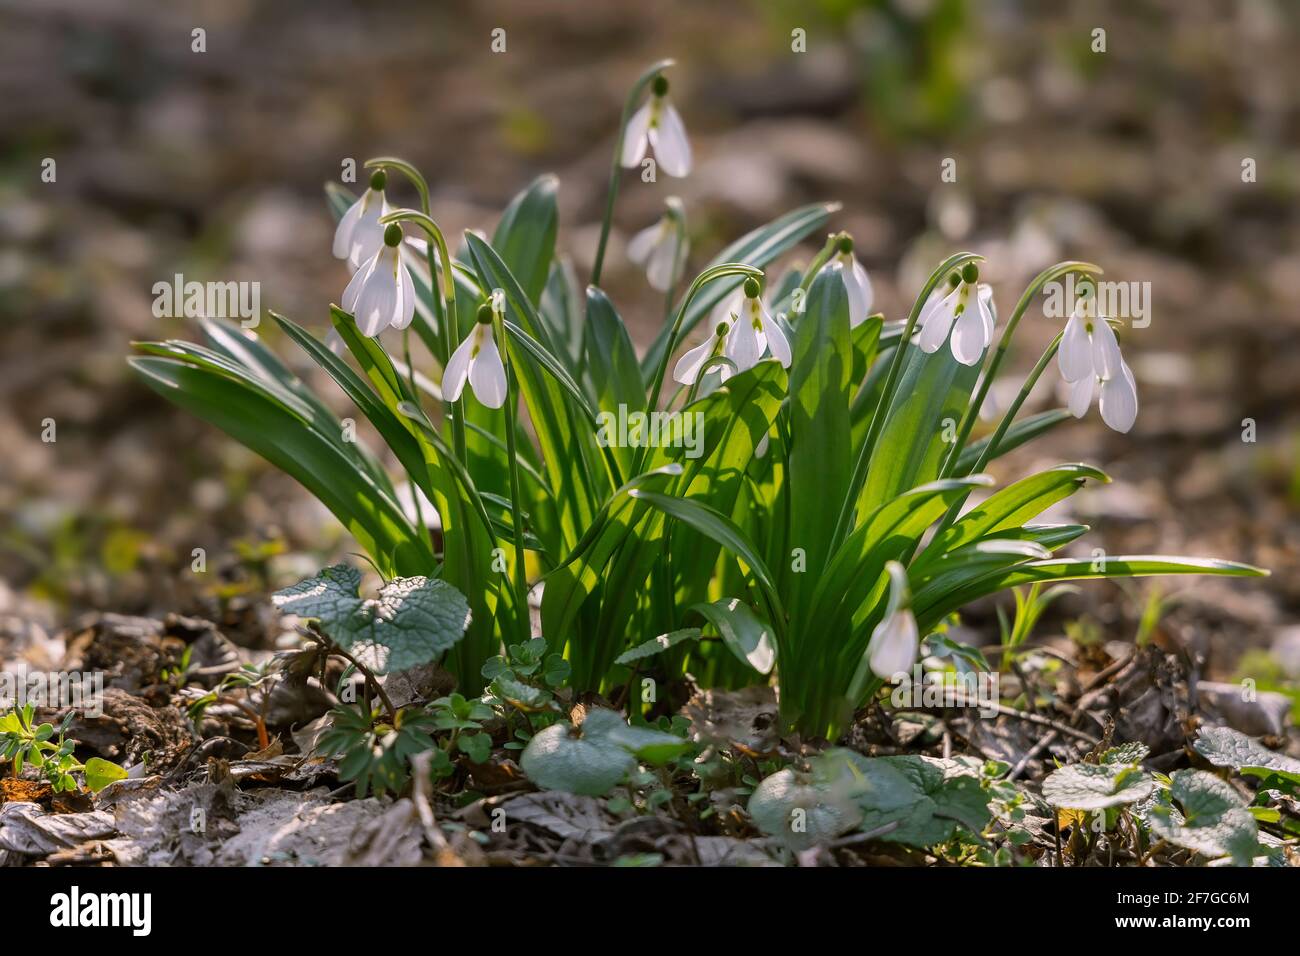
x,y
787,490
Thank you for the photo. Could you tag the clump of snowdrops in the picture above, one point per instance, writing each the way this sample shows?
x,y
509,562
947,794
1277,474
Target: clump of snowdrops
x,y
813,530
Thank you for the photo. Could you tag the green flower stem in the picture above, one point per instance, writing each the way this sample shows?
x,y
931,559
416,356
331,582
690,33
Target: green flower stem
x,y
633,97
1058,271
823,256
848,509
512,458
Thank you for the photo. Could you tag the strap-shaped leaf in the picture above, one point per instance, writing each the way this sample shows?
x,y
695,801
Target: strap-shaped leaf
x,y
1067,569
1022,432
525,236
256,420
743,632
1011,507
821,461
724,531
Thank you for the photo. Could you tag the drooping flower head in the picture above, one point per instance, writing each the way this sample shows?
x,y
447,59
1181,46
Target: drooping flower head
x,y
657,124
1089,357
381,293
746,329
966,312
359,235
894,641
477,361
857,285
660,249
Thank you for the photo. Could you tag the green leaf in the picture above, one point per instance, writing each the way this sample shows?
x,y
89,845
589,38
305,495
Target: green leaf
x,y
917,800
1226,747
927,797
745,635
1214,819
100,773
525,236
653,746
416,619
657,645
477,747
1086,786
1020,433
1130,753
821,460
1010,508
255,419
562,758
756,248
801,810
930,398
1065,569
722,530
615,373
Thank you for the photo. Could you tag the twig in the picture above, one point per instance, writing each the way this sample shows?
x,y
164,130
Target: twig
x,y
1043,743
424,807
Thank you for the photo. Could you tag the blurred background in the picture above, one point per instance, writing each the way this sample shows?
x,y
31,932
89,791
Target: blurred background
x,y
212,164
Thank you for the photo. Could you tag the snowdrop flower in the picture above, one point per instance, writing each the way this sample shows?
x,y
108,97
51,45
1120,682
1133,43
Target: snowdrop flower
x,y
857,286
661,249
894,642
477,361
973,320
658,124
381,292
747,330
359,234
1089,357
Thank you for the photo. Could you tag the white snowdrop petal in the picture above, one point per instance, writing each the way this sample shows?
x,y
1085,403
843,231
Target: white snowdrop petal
x,y
343,231
456,373
672,148
659,269
377,301
777,343
687,369
353,288
487,376
1074,357
367,234
1105,350
893,644
1119,401
742,343
1081,395
968,336
868,294
987,316
937,321
644,243
406,301
634,137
